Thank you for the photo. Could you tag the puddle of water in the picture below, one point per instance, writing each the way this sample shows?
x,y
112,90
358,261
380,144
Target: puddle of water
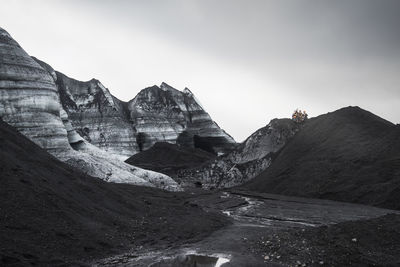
x,y
227,212
225,195
221,261
191,260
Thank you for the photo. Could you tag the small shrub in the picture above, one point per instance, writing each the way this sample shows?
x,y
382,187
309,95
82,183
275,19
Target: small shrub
x,y
299,116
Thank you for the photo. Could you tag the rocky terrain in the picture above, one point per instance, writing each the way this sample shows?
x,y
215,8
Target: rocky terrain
x,y
348,155
279,197
29,98
30,101
275,230
54,215
372,242
156,114
97,116
244,162
166,114
170,158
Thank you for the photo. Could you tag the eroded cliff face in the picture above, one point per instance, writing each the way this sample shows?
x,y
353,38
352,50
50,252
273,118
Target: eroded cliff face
x,y
164,114
30,101
29,98
97,116
243,163
156,114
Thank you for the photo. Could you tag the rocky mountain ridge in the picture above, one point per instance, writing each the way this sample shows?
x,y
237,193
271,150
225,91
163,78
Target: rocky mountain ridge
x,y
83,124
157,114
30,101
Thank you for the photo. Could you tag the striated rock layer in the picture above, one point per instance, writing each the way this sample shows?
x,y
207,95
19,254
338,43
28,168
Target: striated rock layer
x,y
30,101
97,116
29,98
156,114
243,163
168,115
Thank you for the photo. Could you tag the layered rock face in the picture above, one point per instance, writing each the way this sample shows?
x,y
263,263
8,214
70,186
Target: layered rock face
x,y
156,114
30,101
29,98
168,115
245,162
97,116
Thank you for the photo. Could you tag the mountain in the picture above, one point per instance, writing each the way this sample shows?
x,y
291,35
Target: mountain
x,y
244,162
156,114
348,155
53,215
169,158
97,116
83,124
30,101
168,115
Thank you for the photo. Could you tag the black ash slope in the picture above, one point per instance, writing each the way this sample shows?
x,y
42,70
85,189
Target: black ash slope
x,y
51,214
372,242
347,155
169,158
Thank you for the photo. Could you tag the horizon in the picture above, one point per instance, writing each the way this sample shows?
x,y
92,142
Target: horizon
x,y
247,64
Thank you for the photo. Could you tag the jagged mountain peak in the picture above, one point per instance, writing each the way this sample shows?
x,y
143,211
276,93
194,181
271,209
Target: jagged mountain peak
x,y
166,87
187,91
178,113
51,111
157,114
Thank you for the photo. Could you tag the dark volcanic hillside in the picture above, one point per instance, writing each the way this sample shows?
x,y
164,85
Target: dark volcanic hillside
x,y
245,161
51,214
169,158
347,155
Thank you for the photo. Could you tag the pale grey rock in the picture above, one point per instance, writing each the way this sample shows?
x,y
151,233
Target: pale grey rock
x,y
29,98
243,163
165,114
156,114
97,116
98,163
264,141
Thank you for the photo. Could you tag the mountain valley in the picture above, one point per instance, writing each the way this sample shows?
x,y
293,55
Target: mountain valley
x,y
91,180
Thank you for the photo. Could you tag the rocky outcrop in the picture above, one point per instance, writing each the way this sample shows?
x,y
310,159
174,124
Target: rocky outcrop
x,y
30,101
29,98
97,116
164,114
156,114
266,140
243,163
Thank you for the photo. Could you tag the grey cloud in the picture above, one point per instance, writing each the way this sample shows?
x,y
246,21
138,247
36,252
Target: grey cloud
x,y
319,54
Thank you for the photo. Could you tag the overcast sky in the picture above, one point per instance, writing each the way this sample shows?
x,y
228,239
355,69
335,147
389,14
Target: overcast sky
x,y
246,61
